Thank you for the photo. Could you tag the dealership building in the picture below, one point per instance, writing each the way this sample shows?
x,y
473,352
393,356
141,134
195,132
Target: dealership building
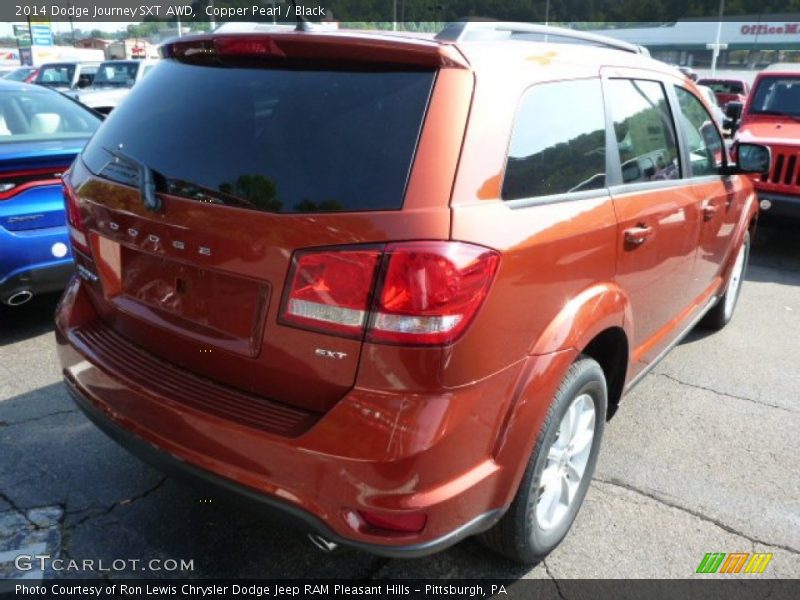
x,y
745,43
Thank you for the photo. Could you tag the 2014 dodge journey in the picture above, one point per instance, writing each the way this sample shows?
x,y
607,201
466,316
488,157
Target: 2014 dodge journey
x,y
393,286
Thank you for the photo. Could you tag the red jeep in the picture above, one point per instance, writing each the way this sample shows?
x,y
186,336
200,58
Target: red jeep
x,y
772,117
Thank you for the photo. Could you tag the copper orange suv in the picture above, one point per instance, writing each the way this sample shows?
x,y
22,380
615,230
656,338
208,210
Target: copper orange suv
x,y
393,286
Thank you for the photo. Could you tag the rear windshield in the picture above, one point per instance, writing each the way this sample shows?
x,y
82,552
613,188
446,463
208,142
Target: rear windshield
x,y
56,75
116,74
723,87
777,95
279,140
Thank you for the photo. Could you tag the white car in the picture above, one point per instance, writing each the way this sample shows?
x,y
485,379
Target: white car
x,y
112,82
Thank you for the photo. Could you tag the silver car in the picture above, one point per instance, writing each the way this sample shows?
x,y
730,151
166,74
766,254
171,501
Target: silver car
x,y
112,82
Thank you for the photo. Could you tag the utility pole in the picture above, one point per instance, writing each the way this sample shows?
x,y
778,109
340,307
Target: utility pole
x,y
716,46
211,21
71,24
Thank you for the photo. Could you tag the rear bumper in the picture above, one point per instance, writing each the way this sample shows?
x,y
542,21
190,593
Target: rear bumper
x,y
273,507
29,260
41,279
435,455
781,205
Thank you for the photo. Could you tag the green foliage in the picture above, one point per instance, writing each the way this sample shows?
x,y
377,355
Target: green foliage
x,y
258,190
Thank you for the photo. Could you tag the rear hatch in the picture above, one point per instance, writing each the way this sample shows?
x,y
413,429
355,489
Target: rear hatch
x,y
252,159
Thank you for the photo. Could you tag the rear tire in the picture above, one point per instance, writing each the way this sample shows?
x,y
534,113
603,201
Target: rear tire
x,y
559,470
723,310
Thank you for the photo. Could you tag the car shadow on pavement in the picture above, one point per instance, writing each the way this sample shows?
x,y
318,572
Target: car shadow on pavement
x,y
18,323
775,253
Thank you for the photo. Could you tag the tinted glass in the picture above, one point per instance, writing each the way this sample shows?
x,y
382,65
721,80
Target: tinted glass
x,y
32,114
702,138
56,75
559,141
723,87
116,74
644,130
777,95
271,139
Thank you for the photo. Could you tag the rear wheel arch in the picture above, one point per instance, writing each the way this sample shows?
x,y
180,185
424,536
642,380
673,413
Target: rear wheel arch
x,y
610,349
587,315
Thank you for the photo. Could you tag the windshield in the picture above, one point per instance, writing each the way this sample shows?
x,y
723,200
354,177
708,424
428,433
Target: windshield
x,y
777,95
279,140
116,74
56,75
723,87
34,115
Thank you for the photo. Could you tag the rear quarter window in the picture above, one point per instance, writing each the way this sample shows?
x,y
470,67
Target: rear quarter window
x,y
558,144
279,140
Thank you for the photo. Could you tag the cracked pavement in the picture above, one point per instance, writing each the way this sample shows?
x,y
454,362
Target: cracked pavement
x,y
701,457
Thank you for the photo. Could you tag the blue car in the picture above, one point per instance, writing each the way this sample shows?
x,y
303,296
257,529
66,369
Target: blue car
x,y
41,132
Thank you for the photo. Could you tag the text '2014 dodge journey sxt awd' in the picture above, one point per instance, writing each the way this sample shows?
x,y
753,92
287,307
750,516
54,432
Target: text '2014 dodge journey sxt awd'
x,y
393,286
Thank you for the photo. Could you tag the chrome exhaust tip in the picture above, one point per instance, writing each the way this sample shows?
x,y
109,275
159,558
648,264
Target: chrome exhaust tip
x,y
321,543
19,298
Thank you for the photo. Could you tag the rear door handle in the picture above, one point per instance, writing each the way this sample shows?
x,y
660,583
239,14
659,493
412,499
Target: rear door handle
x,y
709,210
636,236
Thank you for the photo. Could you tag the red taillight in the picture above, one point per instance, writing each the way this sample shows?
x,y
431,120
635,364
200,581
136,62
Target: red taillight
x,y
330,291
400,522
430,291
77,231
427,293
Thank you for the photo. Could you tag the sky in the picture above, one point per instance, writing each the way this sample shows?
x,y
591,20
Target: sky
x,y
6,29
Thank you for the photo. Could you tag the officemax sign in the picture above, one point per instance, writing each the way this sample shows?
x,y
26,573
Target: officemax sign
x,y
771,29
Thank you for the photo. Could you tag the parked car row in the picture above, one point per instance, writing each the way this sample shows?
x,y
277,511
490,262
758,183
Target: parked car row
x,y
100,86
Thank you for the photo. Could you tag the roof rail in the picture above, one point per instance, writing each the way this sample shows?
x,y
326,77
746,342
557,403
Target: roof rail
x,y
461,31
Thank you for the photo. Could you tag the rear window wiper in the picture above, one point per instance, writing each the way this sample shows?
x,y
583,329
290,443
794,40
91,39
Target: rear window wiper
x,y
147,182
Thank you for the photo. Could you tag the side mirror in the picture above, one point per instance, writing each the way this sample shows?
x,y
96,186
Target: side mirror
x,y
733,110
733,114
631,171
753,158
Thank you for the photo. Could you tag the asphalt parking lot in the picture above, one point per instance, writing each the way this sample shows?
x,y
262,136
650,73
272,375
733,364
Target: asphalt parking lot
x,y
701,457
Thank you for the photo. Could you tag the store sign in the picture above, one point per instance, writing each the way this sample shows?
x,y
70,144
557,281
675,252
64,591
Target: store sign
x,y
771,29
41,35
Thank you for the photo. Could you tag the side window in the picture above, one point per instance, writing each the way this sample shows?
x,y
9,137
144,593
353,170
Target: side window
x,y
703,141
559,141
644,129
